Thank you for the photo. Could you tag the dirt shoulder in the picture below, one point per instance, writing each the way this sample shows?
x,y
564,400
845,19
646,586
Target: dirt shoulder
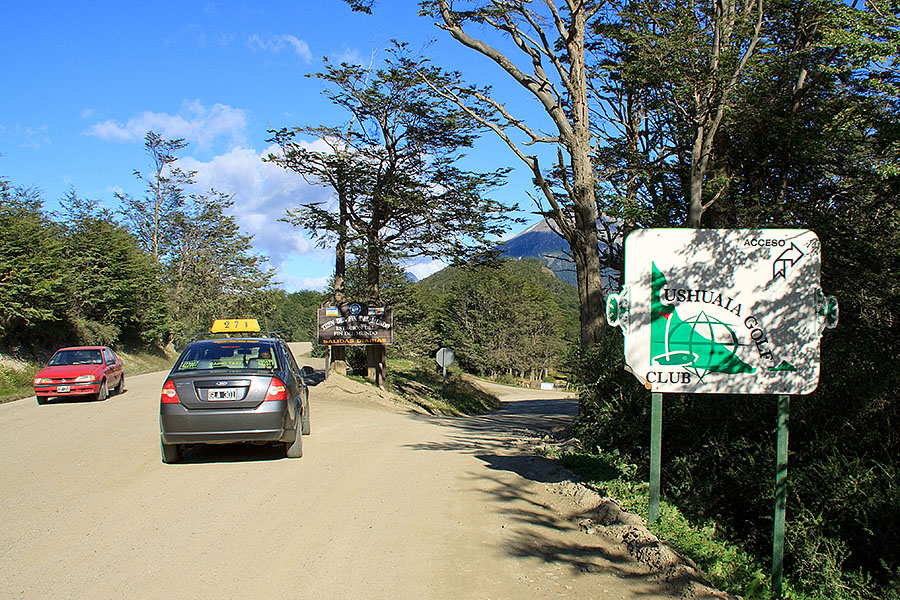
x,y
591,525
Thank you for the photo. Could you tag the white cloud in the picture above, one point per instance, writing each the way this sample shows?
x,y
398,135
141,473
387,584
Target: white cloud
x,y
308,272
194,122
279,43
262,193
32,137
347,55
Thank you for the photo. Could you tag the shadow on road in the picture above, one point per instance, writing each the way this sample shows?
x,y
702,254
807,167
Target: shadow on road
x,y
231,453
517,421
543,521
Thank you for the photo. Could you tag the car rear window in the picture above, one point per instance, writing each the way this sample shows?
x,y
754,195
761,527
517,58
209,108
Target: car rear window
x,y
76,357
228,354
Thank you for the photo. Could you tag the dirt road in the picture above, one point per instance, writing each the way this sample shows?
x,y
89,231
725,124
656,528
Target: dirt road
x,y
385,503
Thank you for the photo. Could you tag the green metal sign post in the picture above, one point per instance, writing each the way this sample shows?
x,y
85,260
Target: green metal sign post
x,y
780,494
655,454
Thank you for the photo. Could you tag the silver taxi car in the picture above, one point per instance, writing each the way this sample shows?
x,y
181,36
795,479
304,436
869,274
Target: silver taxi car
x,y
231,390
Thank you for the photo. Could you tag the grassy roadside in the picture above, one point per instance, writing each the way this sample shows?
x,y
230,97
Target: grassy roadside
x,y
725,565
16,375
419,384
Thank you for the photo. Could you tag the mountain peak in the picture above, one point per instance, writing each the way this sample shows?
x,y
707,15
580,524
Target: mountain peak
x,y
541,241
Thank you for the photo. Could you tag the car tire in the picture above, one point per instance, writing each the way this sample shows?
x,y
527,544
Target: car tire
x,y
120,387
171,453
295,449
43,399
103,394
304,419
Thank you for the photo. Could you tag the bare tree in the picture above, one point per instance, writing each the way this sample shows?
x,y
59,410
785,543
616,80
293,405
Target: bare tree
x,y
551,40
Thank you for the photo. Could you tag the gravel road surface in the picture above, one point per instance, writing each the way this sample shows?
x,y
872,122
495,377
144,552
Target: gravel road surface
x,y
385,503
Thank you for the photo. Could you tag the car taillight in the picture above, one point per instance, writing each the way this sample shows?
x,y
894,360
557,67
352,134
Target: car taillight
x,y
277,390
168,394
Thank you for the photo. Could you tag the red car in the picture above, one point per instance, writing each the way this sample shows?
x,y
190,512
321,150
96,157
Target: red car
x,y
81,371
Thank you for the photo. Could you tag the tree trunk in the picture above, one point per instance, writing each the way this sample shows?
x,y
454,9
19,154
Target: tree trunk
x,y
584,242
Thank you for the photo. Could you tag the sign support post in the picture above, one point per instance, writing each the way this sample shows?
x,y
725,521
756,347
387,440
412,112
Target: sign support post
x,y
655,454
780,493
328,361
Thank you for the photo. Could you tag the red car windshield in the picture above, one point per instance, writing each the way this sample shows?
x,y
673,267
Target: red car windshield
x,y
76,357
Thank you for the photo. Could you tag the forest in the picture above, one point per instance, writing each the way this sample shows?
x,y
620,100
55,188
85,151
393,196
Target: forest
x,y
657,114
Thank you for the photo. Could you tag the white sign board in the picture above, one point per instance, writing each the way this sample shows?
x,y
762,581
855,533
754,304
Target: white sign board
x,y
736,311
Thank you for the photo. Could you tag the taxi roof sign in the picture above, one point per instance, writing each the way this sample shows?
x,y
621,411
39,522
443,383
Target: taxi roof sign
x,y
234,325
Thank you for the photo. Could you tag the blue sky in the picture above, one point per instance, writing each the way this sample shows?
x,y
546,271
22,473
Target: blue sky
x,y
84,81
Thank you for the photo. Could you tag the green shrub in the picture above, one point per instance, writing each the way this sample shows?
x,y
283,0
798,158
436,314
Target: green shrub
x,y
718,466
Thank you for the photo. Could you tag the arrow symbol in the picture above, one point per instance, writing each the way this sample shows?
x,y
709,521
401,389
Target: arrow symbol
x,y
787,258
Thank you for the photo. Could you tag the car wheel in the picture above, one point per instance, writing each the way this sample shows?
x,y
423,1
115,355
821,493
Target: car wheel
x,y
120,387
43,399
304,421
170,453
103,394
295,449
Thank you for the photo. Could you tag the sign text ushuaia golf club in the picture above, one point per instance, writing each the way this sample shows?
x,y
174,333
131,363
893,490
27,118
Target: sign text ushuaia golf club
x,y
722,311
355,324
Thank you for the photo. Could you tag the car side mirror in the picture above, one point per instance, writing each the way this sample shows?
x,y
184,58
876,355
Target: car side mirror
x,y
307,370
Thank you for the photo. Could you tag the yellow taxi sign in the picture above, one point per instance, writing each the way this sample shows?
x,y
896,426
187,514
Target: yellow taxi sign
x,y
237,325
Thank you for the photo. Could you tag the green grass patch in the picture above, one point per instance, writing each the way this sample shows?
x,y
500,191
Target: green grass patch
x,y
725,564
420,384
17,383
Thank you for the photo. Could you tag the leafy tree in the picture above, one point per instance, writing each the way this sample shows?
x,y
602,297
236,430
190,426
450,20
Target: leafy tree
x,y
151,216
206,265
294,315
212,271
707,47
497,321
113,287
393,167
339,168
414,310
32,284
550,39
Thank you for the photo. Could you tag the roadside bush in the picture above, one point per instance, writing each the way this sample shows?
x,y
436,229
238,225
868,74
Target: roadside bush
x,y
718,468
92,333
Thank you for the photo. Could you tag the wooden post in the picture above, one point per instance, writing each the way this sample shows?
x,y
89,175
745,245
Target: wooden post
x,y
381,381
328,361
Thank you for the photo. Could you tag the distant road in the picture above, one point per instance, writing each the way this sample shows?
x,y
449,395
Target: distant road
x,y
385,504
300,348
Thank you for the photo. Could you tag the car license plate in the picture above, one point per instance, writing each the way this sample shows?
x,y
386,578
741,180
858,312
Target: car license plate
x,y
224,394
62,388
